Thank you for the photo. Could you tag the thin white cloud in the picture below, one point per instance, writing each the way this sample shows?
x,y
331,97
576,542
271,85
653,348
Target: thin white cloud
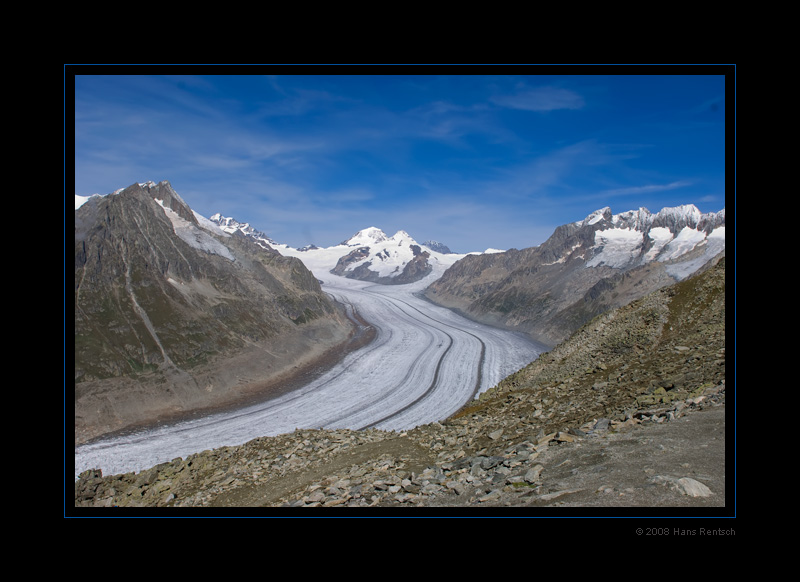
x,y
649,188
554,170
297,102
344,196
540,99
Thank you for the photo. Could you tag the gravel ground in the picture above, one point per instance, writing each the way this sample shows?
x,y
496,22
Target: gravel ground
x,y
638,467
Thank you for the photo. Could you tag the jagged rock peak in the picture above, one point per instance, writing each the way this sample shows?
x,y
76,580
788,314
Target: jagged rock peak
x,y
596,216
163,193
438,247
674,218
680,217
231,225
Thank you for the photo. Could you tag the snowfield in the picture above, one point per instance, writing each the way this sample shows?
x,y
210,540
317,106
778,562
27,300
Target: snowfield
x,y
425,363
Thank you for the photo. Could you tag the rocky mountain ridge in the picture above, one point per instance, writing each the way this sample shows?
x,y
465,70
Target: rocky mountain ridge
x,y
164,298
232,226
583,269
629,411
438,247
675,219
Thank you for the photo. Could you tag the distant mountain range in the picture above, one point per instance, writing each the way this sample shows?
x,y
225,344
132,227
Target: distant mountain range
x,y
368,255
585,268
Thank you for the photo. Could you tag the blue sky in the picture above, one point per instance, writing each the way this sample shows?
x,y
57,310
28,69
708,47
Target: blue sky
x,y
474,161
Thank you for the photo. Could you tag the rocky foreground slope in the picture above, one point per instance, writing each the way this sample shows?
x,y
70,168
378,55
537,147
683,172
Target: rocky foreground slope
x,y
601,420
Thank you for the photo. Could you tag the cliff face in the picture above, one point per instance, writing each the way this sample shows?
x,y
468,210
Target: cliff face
x,y
172,315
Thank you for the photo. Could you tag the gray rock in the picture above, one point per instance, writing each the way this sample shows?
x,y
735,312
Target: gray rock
x,y
534,474
684,485
487,463
496,434
601,425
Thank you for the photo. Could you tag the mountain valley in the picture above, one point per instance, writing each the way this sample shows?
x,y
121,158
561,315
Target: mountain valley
x,y
614,324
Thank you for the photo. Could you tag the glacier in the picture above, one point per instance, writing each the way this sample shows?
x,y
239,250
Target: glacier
x,y
424,364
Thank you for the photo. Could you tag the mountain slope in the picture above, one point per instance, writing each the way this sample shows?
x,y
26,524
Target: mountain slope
x,y
583,269
164,298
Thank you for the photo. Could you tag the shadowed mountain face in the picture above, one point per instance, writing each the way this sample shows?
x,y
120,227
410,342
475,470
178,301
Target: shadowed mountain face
x,y
585,268
161,294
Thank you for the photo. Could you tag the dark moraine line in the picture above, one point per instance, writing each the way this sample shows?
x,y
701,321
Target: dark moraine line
x,y
435,381
402,383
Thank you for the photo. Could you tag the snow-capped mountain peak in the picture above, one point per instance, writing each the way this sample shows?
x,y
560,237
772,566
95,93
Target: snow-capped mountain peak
x,y
682,212
366,237
401,237
372,255
381,258
231,226
595,217
639,236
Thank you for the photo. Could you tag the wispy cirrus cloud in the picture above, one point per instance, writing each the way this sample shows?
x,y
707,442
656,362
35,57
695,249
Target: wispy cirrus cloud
x,y
647,189
540,99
